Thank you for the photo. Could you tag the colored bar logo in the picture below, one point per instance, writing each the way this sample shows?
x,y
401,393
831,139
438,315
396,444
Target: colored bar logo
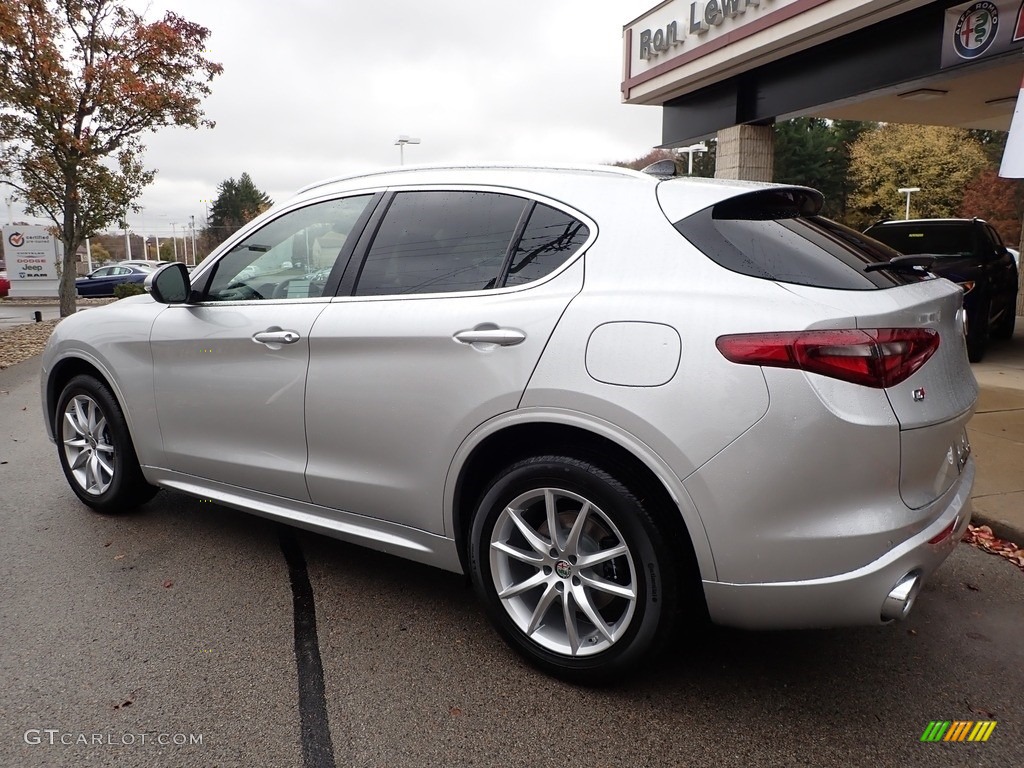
x,y
958,730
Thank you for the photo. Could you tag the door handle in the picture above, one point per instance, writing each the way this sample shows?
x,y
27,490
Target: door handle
x,y
275,337
503,337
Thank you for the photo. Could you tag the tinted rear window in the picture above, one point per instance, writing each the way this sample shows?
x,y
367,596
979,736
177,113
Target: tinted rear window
x,y
942,239
789,247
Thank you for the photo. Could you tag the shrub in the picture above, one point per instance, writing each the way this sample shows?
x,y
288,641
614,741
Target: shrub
x,y
124,290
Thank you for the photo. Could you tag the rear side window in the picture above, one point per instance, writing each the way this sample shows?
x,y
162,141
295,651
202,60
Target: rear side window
x,y
436,242
549,239
940,239
787,245
448,241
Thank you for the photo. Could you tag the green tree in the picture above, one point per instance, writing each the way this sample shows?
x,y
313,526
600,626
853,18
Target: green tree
x,y
992,142
99,253
940,161
815,152
80,82
237,203
167,250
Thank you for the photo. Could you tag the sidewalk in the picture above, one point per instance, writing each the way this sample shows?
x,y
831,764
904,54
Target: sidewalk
x,y
997,439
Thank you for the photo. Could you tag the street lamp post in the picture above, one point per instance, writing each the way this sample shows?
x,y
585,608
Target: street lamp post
x,y
400,142
908,191
690,150
174,234
192,222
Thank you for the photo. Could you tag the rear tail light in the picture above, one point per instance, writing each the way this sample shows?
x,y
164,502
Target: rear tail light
x,y
945,533
872,357
967,285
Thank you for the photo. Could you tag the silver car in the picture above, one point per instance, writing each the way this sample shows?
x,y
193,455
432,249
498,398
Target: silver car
x,y
620,402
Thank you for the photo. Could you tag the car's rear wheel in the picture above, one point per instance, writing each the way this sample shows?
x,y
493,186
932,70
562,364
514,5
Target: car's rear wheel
x,y
96,451
573,571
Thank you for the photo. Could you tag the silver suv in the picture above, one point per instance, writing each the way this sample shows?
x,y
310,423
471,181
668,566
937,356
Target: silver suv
x,y
619,402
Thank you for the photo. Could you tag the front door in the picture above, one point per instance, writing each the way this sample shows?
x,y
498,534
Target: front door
x,y
230,371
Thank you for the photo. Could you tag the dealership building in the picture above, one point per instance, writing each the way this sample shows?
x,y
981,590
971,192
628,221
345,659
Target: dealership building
x,y
731,68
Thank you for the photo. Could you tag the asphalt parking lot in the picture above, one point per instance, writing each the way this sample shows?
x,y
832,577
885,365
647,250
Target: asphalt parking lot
x,y
188,634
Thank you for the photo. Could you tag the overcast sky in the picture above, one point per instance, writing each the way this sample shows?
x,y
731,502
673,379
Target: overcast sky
x,y
319,88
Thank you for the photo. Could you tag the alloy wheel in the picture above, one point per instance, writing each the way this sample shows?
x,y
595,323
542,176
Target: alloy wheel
x,y
87,445
563,572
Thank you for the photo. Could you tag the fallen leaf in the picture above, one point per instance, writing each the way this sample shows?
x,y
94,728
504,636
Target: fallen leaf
x,y
455,712
982,537
168,584
119,557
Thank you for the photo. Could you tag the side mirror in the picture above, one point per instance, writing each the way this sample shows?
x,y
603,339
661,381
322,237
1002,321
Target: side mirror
x,y
169,284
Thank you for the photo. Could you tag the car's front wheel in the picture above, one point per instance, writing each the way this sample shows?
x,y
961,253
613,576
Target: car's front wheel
x,y
572,569
977,333
1003,329
96,451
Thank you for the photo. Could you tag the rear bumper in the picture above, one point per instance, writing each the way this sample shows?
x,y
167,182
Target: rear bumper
x,y
853,598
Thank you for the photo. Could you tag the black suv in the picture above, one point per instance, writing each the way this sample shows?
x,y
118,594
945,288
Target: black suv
x,y
971,253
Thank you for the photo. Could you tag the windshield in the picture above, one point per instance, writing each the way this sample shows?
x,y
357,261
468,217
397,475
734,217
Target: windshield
x,y
940,239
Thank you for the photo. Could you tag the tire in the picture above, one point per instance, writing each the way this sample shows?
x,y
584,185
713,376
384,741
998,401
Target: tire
x,y
977,333
95,448
1003,330
583,623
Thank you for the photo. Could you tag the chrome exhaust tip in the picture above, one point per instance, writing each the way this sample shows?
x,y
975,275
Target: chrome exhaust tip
x,y
901,598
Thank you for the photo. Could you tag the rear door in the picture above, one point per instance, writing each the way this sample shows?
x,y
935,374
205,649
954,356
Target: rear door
x,y
449,313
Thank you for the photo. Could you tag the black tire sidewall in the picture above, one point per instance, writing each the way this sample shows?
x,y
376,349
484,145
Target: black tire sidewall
x,y
1003,330
655,586
127,488
977,332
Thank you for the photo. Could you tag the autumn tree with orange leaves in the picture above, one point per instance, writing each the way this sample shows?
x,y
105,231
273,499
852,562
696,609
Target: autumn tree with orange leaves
x,y
997,200
80,82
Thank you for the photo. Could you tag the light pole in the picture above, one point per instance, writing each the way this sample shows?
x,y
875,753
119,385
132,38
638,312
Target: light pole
x,y
192,221
690,150
908,191
400,142
174,234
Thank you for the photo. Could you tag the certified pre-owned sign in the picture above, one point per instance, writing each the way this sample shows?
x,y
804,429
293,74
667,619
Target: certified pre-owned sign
x,y
31,256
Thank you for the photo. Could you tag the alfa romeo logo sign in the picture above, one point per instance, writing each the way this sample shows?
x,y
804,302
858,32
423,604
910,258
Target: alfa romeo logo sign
x,y
976,29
